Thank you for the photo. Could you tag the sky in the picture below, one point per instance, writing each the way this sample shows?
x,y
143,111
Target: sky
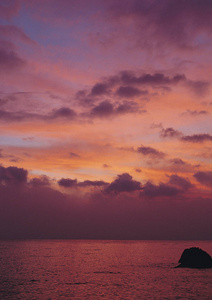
x,y
105,119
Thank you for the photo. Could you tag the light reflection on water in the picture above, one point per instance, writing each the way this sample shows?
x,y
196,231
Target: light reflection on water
x,y
70,269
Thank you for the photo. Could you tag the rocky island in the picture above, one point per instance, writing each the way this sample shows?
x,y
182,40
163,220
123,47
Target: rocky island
x,y
195,258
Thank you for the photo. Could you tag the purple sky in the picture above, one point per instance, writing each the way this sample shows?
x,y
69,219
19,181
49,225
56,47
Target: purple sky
x,y
105,119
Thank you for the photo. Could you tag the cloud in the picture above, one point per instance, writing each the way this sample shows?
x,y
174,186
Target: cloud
x,y
63,112
200,88
106,166
181,182
170,132
177,162
179,165
73,183
10,60
13,175
123,183
129,92
128,77
175,186
204,178
104,96
70,12
125,84
73,154
160,190
154,126
10,116
67,183
14,32
10,157
51,215
206,153
10,9
149,151
176,23
35,210
197,138
88,183
103,109
18,116
128,107
41,181
195,113
99,89
106,109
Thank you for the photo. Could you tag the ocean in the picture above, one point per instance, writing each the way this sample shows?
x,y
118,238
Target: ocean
x,y
90,269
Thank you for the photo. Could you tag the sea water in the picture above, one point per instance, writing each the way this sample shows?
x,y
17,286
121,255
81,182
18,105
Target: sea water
x,y
87,269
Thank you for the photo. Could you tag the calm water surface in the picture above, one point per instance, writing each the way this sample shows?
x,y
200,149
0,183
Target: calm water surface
x,y
70,269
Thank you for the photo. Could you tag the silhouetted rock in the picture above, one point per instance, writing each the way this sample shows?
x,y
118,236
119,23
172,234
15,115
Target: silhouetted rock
x,y
195,258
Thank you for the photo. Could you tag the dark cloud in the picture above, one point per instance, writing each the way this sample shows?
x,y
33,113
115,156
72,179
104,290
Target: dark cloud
x,y
129,92
195,113
36,211
72,183
11,116
88,183
126,84
159,23
179,165
154,126
106,166
175,186
204,178
9,10
63,112
128,107
10,60
43,213
18,116
73,154
14,32
67,183
123,183
206,153
200,88
197,138
103,109
13,175
170,132
151,190
10,157
41,181
180,182
128,77
149,151
99,89
107,109
177,162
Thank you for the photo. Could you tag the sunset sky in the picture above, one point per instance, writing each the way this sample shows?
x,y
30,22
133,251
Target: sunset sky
x,y
106,119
